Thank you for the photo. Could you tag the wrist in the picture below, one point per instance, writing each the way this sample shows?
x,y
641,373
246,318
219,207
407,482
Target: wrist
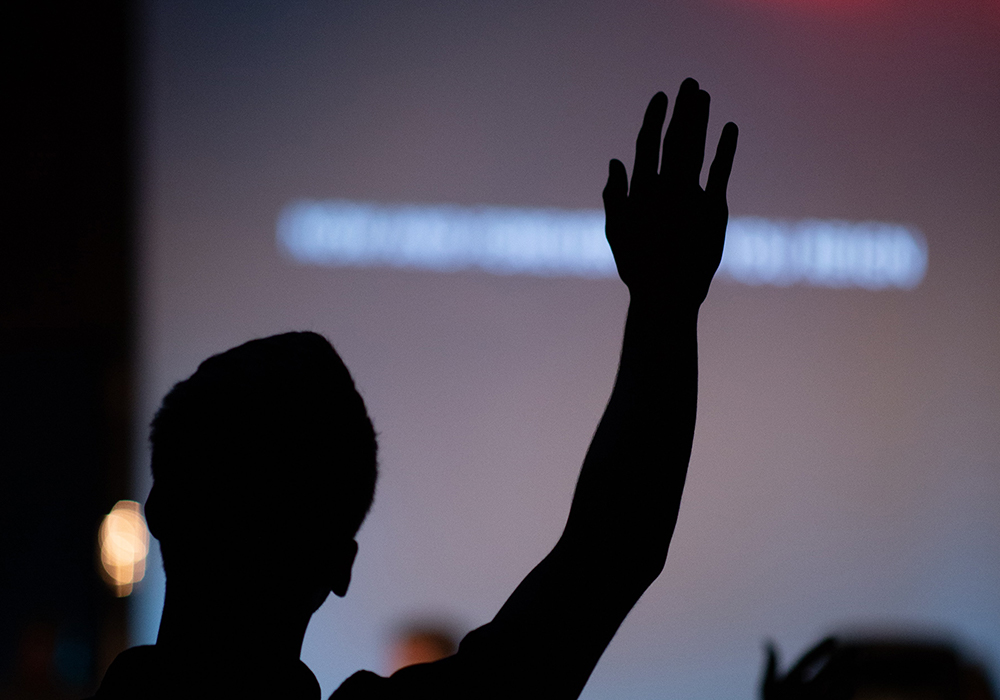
x,y
662,305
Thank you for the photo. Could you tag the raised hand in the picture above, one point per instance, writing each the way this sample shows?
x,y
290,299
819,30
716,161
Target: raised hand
x,y
665,231
667,235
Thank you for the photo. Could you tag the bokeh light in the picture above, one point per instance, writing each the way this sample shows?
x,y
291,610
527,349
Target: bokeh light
x,y
124,543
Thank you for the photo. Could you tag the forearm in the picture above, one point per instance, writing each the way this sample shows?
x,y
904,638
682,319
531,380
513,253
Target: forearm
x,y
629,490
666,234
565,612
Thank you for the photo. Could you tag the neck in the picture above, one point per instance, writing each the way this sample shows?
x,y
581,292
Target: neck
x,y
233,627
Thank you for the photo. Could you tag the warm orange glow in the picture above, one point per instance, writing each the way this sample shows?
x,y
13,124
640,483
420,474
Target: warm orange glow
x,y
124,543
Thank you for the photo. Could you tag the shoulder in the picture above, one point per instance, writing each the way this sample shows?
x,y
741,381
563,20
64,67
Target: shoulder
x,y
130,673
363,684
466,674
441,680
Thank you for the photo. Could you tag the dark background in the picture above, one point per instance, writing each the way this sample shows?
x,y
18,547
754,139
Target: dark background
x,y
65,329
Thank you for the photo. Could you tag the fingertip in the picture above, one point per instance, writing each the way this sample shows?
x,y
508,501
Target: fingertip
x,y
770,665
722,164
702,102
617,180
657,108
689,84
727,140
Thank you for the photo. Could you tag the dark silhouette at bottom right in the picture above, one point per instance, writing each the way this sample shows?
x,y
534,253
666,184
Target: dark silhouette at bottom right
x,y
886,668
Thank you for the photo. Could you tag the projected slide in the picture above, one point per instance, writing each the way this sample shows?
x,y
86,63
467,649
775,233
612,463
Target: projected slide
x,y
554,242
421,183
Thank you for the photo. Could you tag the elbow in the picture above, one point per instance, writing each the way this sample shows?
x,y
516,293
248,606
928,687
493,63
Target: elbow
x,y
648,567
634,567
621,560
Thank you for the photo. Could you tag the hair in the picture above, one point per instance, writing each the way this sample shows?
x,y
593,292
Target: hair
x,y
887,668
272,429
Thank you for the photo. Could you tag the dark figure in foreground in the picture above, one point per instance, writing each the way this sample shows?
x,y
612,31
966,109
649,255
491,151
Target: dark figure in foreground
x,y
264,468
877,669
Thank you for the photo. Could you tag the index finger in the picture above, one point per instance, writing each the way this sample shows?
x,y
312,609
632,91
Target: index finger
x,y
722,165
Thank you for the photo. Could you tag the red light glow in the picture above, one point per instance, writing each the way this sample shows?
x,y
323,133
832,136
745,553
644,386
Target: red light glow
x,y
842,8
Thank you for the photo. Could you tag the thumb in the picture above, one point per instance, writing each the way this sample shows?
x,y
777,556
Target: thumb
x,y
616,191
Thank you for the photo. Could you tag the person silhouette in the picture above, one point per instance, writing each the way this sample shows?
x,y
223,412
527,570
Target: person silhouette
x,y
264,467
886,667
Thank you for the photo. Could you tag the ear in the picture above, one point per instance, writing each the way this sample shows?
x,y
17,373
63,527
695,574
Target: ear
x,y
154,516
342,573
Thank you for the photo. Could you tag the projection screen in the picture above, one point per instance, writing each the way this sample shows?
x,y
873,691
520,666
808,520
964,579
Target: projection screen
x,y
421,182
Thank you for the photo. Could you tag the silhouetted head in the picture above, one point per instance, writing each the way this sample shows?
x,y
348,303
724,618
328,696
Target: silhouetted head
x,y
264,467
878,669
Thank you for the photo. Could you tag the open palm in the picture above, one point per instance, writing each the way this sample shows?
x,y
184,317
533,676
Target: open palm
x,y
665,231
